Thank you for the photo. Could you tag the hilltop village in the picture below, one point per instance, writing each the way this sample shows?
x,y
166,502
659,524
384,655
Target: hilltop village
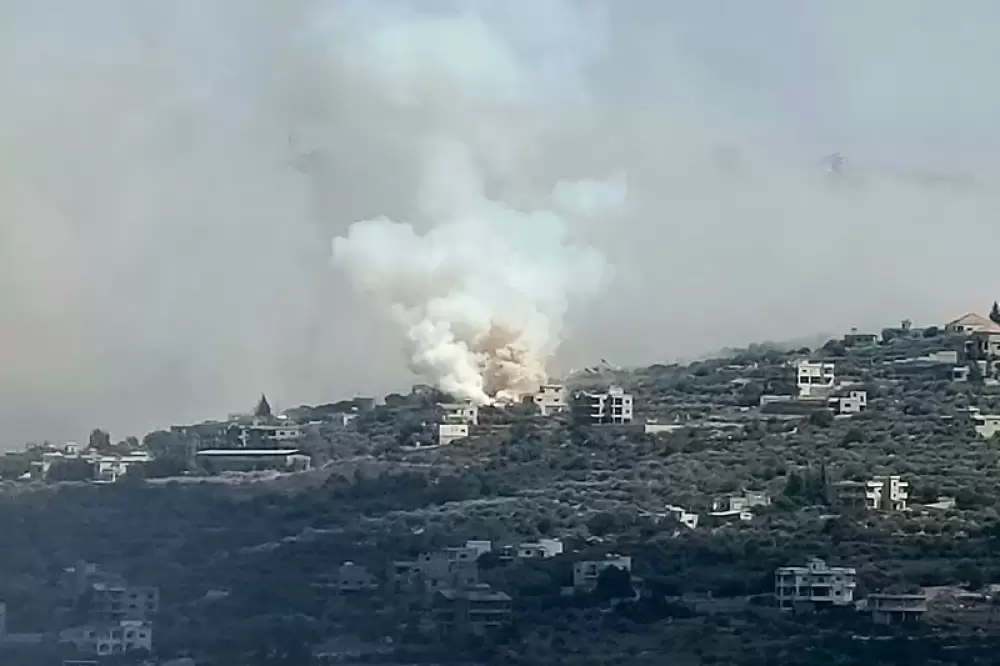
x,y
771,505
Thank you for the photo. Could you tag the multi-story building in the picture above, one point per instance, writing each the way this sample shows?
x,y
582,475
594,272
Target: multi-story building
x,y
551,399
446,569
614,406
459,412
815,378
587,572
109,603
815,584
112,638
896,608
854,401
880,493
475,610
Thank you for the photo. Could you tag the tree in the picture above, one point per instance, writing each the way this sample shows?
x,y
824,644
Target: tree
x,y
71,469
99,440
263,409
822,418
995,313
614,583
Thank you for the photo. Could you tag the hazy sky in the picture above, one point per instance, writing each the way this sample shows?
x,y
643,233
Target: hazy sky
x,y
172,175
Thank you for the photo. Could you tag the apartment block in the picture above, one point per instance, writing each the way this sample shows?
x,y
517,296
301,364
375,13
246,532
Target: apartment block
x,y
896,608
814,585
880,493
614,406
815,378
551,399
475,610
460,412
105,639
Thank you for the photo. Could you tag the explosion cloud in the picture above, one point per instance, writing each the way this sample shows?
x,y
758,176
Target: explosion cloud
x,y
481,295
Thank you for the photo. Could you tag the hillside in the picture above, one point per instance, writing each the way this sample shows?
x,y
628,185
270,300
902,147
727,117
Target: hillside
x,y
599,489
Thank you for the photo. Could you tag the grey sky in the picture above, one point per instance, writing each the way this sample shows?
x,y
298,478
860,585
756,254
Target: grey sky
x,y
171,175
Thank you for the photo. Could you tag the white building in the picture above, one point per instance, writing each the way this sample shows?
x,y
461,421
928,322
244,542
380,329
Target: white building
x,y
551,399
451,432
279,432
460,412
970,323
987,425
880,493
748,500
815,378
815,584
615,406
683,516
586,572
109,639
855,402
541,549
109,469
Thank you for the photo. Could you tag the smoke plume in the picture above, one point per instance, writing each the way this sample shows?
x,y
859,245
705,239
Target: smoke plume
x,y
482,294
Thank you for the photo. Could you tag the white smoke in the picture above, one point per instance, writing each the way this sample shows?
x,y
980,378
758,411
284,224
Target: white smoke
x,y
482,295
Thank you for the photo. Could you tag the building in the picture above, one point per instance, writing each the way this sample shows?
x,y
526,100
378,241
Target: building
x,y
451,432
970,323
460,412
718,518
270,432
986,425
118,602
856,339
475,610
587,572
986,343
815,378
683,516
108,469
881,493
245,460
551,399
614,406
897,608
854,402
110,638
104,468
541,549
481,547
748,500
446,569
814,585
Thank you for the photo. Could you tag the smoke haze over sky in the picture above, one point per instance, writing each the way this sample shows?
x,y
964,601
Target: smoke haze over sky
x,y
172,175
